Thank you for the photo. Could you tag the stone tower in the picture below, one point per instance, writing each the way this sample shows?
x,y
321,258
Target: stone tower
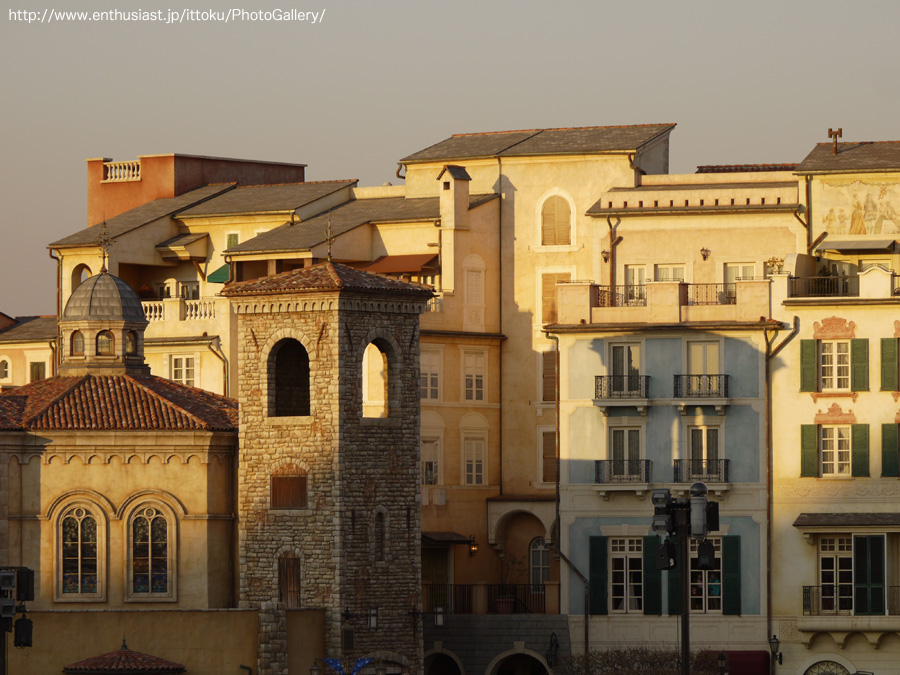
x,y
328,487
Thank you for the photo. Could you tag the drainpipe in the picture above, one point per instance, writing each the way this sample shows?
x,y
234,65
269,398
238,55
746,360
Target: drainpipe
x,y
575,570
500,310
613,242
217,350
771,354
809,208
399,169
56,340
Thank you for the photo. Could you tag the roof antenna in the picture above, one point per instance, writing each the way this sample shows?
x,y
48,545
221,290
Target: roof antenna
x,y
329,236
104,241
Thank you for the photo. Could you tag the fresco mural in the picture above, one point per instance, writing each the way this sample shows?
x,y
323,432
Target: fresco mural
x,y
860,208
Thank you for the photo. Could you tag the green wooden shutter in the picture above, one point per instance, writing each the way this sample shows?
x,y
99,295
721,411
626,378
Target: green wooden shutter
x,y
890,451
868,575
652,577
809,451
859,449
859,365
889,371
809,362
674,576
598,575
860,575
731,575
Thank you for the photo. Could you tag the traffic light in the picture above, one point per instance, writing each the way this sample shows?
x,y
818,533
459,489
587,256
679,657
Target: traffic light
x,y
662,512
665,556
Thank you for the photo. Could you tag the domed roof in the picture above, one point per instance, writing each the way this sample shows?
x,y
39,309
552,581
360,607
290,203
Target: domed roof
x,y
104,297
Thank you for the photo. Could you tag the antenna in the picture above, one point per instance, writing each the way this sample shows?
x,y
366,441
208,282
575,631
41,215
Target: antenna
x,y
104,241
329,236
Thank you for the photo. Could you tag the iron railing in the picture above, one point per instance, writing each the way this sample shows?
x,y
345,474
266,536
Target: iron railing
x,y
701,386
708,470
823,287
621,386
621,471
516,598
452,598
634,295
712,294
832,599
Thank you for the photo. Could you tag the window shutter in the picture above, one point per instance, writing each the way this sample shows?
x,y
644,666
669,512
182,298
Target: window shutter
x,y
548,376
809,357
555,222
674,577
889,379
731,575
809,451
548,452
859,365
868,575
890,451
652,577
548,295
859,449
597,575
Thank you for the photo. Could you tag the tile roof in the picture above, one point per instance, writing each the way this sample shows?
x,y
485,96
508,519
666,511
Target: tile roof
x,y
141,215
124,661
327,276
744,168
303,235
30,328
266,198
575,140
850,157
846,519
120,402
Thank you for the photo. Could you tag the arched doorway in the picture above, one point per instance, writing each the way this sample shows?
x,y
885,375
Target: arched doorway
x,y
441,664
519,664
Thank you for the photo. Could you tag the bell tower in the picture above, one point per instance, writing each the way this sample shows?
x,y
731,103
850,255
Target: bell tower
x,y
329,461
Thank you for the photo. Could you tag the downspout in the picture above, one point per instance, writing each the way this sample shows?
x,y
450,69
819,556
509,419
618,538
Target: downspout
x,y
809,209
56,340
500,309
613,242
770,354
556,540
399,169
221,356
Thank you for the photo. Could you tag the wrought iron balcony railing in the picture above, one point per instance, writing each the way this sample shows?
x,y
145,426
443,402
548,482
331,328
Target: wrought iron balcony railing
x,y
634,295
701,386
831,599
621,386
516,598
707,470
452,598
823,287
621,471
712,294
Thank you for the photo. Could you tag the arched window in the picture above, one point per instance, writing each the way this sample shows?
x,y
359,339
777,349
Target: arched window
x,y
375,381
288,488
289,580
131,343
556,222
540,561
79,553
105,343
79,274
77,343
4,369
289,379
150,554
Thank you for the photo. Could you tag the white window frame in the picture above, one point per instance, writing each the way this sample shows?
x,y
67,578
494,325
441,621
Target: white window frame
x,y
741,264
194,367
171,595
709,598
5,379
830,442
540,563
835,548
705,424
627,345
476,474
436,441
539,289
539,246
188,286
467,356
626,556
436,368
831,349
670,266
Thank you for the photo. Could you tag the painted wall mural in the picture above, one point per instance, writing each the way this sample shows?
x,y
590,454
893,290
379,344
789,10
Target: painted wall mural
x,y
859,208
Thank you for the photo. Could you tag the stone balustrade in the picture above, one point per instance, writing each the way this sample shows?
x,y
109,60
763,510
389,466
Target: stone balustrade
x,y
120,172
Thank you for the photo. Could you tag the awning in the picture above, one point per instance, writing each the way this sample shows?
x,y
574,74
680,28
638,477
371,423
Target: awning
x,y
220,276
443,538
855,244
394,264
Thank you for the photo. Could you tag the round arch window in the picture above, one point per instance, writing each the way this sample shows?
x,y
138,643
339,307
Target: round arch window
x,y
826,668
77,343
105,343
131,343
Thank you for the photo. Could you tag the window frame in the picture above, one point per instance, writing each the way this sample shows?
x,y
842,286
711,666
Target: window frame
x,y
622,548
835,554
546,434
539,245
433,359
5,369
103,351
437,458
100,518
290,471
670,267
174,369
287,563
700,580
479,478
836,461
628,431
161,511
836,377
480,356
544,564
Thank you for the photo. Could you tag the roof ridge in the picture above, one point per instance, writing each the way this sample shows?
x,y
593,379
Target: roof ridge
x,y
537,131
29,419
305,182
166,401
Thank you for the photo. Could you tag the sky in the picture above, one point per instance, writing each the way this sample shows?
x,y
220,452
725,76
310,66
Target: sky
x,y
359,84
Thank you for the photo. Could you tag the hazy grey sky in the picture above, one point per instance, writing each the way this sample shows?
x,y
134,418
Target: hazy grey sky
x,y
371,82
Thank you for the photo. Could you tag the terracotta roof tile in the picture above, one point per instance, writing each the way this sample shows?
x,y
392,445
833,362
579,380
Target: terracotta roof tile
x,y
120,402
326,276
124,661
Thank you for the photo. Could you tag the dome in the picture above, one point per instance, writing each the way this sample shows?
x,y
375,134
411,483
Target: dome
x,y
104,297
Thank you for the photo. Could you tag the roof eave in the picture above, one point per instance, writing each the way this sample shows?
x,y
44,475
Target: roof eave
x,y
690,211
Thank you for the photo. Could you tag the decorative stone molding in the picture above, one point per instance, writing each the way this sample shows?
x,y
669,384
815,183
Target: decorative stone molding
x,y
788,631
834,328
839,488
835,415
816,395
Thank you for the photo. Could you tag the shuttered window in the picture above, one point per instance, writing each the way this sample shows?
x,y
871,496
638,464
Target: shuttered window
x,y
556,222
548,377
289,580
548,295
868,575
834,450
890,451
597,575
289,491
859,442
834,365
652,577
731,575
889,371
548,456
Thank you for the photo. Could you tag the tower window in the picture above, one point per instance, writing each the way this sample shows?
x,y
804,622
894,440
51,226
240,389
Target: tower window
x,y
289,379
105,343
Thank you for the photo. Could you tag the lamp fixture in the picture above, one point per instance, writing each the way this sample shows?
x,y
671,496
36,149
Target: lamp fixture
x,y
774,644
473,545
705,253
552,654
722,661
605,255
373,618
438,616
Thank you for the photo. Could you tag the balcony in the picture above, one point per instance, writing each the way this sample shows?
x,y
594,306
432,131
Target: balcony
x,y
619,471
491,598
829,609
701,390
707,471
622,391
712,294
823,287
634,295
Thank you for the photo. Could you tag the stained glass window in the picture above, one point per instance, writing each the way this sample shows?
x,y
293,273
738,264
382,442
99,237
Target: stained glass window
x,y
79,552
150,553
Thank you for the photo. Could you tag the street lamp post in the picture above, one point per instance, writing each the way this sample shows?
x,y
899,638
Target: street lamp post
x,y
774,643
